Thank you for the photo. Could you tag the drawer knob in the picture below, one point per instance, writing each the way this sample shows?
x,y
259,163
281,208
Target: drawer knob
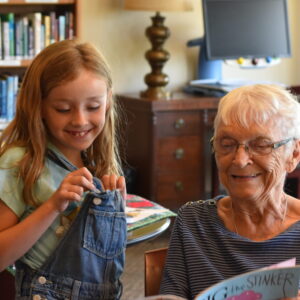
x,y
179,123
179,186
179,153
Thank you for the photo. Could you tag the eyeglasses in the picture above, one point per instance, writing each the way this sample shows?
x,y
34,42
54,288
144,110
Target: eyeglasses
x,y
255,147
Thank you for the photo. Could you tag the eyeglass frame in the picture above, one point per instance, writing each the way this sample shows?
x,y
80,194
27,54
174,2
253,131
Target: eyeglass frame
x,y
271,146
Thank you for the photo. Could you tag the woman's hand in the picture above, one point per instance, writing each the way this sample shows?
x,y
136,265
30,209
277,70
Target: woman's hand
x,y
72,188
112,182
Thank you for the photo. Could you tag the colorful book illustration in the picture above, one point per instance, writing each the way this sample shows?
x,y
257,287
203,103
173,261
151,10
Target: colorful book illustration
x,y
141,212
274,282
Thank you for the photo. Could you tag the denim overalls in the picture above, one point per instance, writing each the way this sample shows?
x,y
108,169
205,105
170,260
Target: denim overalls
x,y
90,257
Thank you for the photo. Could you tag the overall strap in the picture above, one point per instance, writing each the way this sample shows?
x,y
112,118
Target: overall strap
x,y
62,162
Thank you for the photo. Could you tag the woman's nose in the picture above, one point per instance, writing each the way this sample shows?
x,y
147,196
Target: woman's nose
x,y
242,157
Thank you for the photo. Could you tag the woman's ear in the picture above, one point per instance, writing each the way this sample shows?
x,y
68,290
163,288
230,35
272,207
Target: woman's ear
x,y
294,159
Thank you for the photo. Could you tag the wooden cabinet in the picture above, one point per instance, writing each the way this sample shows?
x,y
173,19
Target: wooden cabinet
x,y
27,26
167,142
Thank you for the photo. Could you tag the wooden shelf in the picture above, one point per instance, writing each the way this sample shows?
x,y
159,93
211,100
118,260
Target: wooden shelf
x,y
3,125
33,2
15,63
14,11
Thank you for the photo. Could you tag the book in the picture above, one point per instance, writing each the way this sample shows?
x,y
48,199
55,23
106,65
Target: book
x,y
19,38
273,282
47,24
11,34
36,24
3,98
61,28
5,37
140,212
10,97
279,281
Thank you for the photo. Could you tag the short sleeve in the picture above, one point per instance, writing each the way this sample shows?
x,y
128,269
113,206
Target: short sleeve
x,y
11,186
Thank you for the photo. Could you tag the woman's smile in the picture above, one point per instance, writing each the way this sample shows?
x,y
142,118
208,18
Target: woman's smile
x,y
245,176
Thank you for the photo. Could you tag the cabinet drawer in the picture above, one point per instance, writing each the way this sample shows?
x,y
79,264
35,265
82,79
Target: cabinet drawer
x,y
173,190
179,153
178,123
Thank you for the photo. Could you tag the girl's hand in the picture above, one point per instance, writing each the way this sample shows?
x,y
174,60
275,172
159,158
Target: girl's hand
x,y
112,182
72,188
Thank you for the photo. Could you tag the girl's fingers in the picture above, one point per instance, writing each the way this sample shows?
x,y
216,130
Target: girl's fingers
x,y
121,185
112,182
81,177
72,192
105,182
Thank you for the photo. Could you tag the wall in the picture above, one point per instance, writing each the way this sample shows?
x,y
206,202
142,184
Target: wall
x,y
120,35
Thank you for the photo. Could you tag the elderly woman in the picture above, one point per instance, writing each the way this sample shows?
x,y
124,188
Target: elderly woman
x,y
256,143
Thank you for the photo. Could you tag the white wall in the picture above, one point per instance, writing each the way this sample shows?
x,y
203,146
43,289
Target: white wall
x,y
120,35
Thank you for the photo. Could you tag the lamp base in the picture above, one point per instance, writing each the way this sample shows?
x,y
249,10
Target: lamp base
x,y
156,93
157,34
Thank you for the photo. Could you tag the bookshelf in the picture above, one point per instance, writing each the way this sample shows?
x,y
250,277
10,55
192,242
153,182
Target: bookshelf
x,y
26,27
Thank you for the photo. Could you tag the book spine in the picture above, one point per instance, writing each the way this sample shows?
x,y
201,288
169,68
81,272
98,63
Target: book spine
x,y
37,24
1,39
30,40
61,28
5,34
19,38
3,99
25,35
11,34
42,37
54,34
10,98
16,90
47,24
70,25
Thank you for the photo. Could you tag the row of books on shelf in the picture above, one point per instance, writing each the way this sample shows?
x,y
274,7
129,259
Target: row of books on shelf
x,y
24,36
9,85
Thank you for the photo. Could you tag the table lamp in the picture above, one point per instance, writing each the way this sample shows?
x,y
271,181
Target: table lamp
x,y
157,33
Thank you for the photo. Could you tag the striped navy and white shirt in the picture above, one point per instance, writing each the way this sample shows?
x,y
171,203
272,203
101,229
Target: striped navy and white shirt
x,y
202,251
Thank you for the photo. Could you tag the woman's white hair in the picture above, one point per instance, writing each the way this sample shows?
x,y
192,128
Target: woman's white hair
x,y
259,104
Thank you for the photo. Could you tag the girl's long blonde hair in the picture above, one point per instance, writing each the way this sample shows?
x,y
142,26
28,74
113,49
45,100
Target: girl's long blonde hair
x,y
56,64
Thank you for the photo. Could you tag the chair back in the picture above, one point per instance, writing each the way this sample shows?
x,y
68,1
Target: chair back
x,y
7,285
154,265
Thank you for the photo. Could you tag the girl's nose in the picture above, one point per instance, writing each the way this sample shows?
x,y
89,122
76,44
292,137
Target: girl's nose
x,y
79,118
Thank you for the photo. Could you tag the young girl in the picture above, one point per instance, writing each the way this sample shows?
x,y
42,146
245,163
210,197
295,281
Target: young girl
x,y
65,234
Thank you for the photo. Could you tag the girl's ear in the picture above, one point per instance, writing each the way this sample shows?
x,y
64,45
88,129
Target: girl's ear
x,y
294,158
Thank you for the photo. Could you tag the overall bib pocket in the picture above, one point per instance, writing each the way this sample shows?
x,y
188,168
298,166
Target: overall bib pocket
x,y
105,232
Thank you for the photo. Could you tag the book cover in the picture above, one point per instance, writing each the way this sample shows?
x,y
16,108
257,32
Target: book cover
x,y
140,212
274,282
